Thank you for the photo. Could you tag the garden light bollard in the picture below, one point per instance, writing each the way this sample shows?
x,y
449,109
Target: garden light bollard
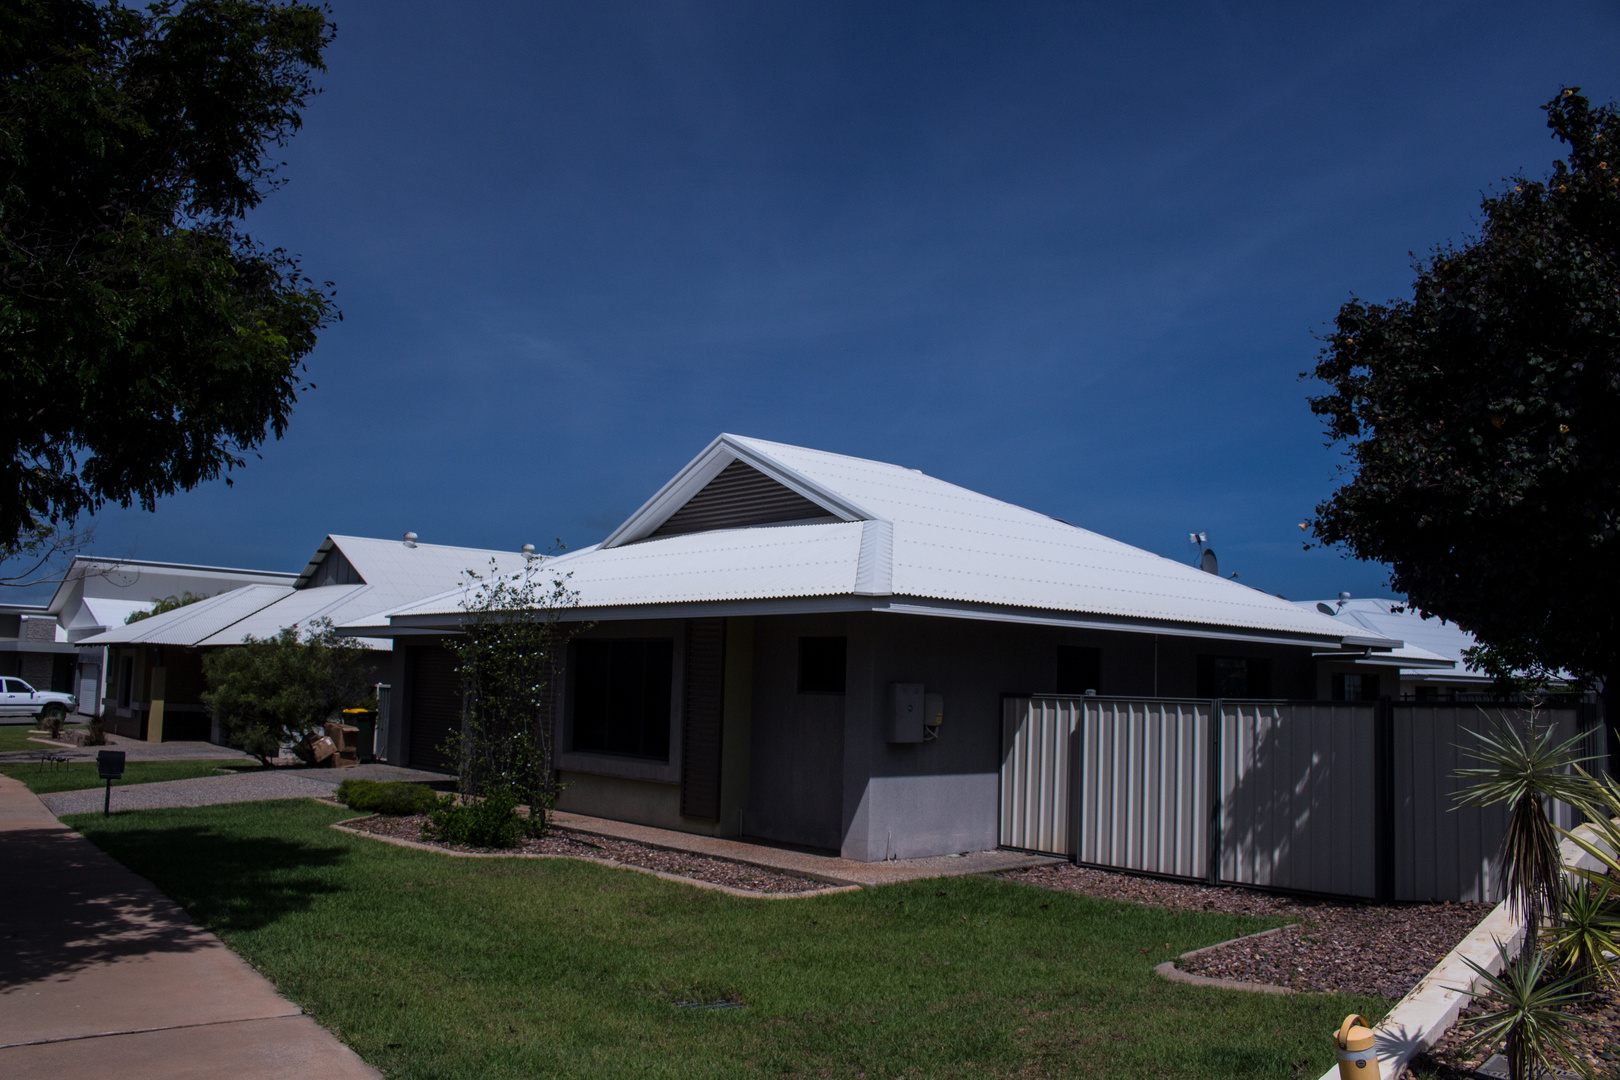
x,y
1357,1046
110,767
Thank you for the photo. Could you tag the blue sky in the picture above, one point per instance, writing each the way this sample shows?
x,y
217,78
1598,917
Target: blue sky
x,y
1071,255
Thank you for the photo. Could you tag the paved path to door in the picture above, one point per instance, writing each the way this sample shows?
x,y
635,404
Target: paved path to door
x,y
244,787
828,868
103,975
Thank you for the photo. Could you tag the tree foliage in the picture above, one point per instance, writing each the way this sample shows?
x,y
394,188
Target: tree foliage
x,y
512,642
1481,418
148,341
268,692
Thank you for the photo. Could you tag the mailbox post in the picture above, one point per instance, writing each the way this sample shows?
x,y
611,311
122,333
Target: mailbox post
x,y
110,767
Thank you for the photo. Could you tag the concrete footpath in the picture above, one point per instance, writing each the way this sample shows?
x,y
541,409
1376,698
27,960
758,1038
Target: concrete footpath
x,y
103,975
242,787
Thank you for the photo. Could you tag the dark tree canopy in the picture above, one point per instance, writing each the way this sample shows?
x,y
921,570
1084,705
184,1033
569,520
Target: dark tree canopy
x,y
1481,418
147,341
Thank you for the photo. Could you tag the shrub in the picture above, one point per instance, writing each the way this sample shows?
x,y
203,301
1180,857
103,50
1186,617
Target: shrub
x,y
489,822
388,797
1586,932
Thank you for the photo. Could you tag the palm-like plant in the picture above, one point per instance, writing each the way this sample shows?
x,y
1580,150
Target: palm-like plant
x,y
1531,1025
1524,768
1586,929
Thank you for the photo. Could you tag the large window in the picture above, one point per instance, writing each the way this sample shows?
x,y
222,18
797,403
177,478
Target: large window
x,y
622,696
821,665
1233,676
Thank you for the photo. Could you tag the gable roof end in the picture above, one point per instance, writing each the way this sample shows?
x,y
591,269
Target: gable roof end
x,y
708,465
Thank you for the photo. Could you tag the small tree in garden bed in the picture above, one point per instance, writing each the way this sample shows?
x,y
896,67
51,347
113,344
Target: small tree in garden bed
x,y
512,641
1524,769
267,692
1530,1021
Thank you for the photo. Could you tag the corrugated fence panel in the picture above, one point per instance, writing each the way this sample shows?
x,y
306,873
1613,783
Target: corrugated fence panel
x,y
1035,771
1297,797
1142,798
1444,851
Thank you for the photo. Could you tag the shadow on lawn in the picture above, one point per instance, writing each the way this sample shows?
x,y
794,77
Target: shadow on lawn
x,y
69,905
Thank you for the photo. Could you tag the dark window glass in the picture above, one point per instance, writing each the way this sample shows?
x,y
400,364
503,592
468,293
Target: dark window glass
x,y
621,696
1355,686
1233,676
1078,669
821,665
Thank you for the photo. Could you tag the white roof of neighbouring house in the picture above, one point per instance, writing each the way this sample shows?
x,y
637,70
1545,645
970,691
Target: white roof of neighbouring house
x,y
763,526
392,573
1424,639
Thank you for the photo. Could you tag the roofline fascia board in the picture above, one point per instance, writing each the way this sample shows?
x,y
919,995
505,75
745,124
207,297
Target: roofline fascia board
x,y
844,602
709,463
112,564
9,645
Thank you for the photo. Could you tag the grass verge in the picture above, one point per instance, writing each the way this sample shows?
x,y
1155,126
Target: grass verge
x,y
16,736
42,779
438,967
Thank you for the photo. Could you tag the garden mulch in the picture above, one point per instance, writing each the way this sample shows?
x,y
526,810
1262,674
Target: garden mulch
x,y
703,868
1333,946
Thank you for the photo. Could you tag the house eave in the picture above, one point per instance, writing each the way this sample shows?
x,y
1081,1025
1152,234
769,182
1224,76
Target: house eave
x,y
402,625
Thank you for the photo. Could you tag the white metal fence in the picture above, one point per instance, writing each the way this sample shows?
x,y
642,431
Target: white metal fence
x,y
1344,799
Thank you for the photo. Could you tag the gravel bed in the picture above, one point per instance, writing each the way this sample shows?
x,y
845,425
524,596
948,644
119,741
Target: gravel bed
x,y
204,791
1449,1060
706,868
1336,946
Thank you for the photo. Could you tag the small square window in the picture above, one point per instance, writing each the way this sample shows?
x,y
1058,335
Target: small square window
x,y
1078,670
821,665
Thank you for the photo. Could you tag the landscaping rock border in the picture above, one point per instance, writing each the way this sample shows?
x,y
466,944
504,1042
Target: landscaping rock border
x,y
701,871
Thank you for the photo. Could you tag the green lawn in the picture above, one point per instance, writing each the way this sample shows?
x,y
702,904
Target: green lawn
x,y
46,778
437,967
15,737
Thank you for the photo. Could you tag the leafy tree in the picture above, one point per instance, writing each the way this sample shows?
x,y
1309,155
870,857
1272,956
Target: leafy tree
x,y
1481,419
168,603
267,692
148,341
512,641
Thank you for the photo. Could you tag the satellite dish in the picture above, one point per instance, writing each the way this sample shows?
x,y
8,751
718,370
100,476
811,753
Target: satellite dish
x,y
1206,562
1326,609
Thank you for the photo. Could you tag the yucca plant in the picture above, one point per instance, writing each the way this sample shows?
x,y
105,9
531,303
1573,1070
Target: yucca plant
x,y
1524,768
1587,928
1531,1025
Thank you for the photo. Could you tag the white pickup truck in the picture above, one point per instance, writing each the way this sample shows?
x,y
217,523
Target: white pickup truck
x,y
21,703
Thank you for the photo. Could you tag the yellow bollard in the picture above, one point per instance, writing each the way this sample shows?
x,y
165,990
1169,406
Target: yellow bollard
x,y
1357,1046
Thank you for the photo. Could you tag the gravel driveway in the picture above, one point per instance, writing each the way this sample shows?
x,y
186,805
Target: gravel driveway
x,y
249,787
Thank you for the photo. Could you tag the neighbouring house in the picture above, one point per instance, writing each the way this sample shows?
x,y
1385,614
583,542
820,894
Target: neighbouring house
x,y
156,663
1429,665
98,594
34,648
815,650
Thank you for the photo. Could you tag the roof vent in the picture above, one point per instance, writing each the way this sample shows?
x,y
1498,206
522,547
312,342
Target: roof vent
x,y
410,539
528,549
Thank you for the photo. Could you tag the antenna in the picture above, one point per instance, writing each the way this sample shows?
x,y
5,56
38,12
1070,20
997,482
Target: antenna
x,y
1327,609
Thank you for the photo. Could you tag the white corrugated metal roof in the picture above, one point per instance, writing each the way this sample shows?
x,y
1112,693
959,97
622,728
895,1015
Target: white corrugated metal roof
x,y
1422,637
395,574
191,624
904,534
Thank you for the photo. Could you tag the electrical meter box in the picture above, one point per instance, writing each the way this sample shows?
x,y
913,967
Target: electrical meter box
x,y
907,712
